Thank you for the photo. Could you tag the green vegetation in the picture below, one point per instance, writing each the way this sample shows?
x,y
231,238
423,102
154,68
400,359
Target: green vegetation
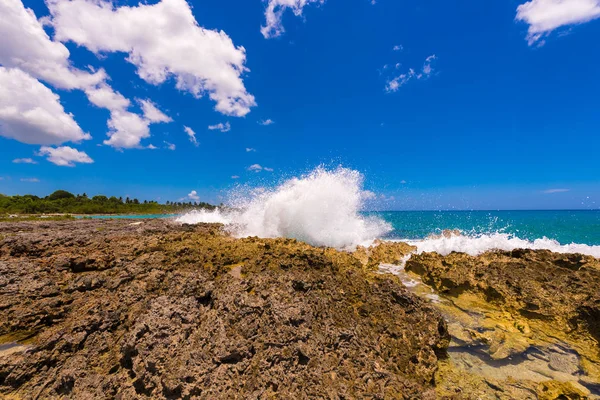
x,y
64,217
63,202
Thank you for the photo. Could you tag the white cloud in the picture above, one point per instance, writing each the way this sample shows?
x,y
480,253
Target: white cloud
x,y
368,195
126,129
544,16
266,122
235,177
427,69
153,114
397,82
250,150
193,195
30,180
151,147
226,127
24,161
105,97
31,113
25,45
191,134
403,182
65,156
550,191
31,50
383,197
163,41
274,13
258,168
398,47
170,146
255,168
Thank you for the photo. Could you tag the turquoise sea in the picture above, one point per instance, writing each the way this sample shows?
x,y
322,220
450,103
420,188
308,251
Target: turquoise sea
x,y
127,216
565,227
581,226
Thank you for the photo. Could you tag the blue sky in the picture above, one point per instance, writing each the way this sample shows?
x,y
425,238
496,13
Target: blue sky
x,y
484,105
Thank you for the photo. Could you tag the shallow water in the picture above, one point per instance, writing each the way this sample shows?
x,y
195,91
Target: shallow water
x,y
554,360
11,347
127,216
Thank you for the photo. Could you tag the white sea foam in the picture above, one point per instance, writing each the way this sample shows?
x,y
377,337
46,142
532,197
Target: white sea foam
x,y
321,208
204,216
475,245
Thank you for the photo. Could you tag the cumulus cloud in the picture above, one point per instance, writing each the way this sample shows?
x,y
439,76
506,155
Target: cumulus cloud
x,y
368,195
32,51
398,47
235,177
105,97
250,150
550,191
24,161
65,156
31,113
193,195
26,46
163,41
397,82
274,13
30,180
192,135
226,127
126,129
266,122
544,16
153,114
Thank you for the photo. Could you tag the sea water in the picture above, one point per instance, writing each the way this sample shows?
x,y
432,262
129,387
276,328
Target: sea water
x,y
577,226
326,208
474,232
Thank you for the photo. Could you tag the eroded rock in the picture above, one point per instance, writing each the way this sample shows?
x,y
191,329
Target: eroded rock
x,y
158,310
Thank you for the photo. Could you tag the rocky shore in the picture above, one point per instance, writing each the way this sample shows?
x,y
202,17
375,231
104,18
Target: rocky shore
x,y
151,309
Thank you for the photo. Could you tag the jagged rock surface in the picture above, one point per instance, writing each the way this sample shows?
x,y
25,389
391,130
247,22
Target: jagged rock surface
x,y
524,323
537,284
111,309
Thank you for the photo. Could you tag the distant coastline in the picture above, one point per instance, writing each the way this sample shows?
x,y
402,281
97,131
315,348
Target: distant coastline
x,y
61,203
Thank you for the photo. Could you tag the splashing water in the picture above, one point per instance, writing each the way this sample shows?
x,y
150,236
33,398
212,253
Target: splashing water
x,y
321,208
204,216
478,244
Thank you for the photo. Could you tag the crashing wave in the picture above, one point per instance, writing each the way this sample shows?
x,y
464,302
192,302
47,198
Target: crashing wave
x,y
474,245
321,208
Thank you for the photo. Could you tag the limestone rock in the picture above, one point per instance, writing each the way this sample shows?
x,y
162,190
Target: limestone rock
x,y
158,310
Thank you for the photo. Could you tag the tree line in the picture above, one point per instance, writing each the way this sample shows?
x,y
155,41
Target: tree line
x,y
65,202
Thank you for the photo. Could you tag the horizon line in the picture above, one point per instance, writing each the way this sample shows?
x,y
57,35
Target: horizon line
x,y
490,210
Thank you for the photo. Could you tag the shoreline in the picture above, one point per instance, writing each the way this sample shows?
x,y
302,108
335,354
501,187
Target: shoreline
x,y
158,309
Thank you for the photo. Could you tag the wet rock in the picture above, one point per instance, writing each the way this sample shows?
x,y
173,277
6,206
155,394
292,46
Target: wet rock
x,y
524,323
552,390
537,285
384,253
